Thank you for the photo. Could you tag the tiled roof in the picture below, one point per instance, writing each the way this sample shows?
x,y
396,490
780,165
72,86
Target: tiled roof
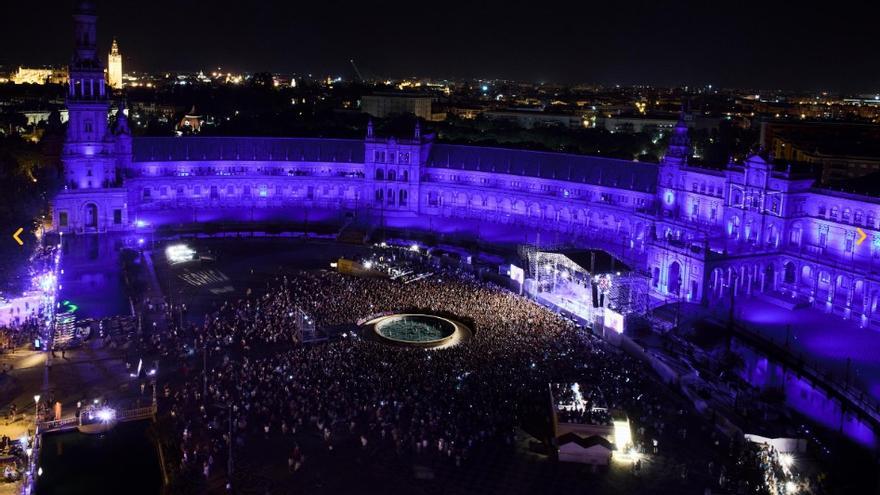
x,y
148,149
637,176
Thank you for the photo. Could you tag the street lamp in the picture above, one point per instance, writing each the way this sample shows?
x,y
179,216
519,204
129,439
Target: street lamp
x,y
36,411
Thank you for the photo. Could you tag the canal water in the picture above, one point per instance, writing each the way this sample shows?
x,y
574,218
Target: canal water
x,y
123,460
92,279
803,396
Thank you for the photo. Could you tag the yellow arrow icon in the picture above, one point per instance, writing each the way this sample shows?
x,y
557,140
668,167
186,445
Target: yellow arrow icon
x,y
862,236
18,239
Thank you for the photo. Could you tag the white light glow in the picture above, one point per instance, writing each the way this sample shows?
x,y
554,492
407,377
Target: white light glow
x,y
179,253
622,434
106,414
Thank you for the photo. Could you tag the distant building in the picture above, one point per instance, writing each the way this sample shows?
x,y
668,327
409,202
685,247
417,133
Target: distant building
x,y
34,117
532,119
632,124
191,122
635,124
843,151
26,75
383,105
114,67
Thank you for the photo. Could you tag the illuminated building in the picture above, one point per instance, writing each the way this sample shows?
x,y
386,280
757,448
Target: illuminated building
x,y
701,235
25,75
114,66
382,105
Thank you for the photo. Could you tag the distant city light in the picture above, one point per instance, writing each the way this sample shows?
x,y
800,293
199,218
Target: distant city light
x,y
368,264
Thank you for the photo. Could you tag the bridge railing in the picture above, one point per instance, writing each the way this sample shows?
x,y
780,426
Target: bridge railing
x,y
124,415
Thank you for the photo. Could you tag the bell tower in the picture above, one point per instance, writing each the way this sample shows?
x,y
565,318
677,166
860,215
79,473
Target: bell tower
x,y
88,152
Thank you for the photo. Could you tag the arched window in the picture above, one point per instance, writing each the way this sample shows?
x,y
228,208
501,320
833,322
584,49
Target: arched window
x,y
846,215
379,195
405,176
380,175
391,175
403,197
858,217
391,197
834,211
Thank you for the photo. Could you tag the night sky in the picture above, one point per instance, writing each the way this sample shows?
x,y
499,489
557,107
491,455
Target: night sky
x,y
769,44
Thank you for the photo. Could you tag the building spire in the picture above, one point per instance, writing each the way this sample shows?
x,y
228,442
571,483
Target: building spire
x,y
679,144
370,129
418,132
121,119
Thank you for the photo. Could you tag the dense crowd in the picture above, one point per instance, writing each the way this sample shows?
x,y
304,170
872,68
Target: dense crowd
x,y
353,390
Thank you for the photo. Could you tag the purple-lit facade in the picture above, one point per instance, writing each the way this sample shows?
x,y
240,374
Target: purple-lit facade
x,y
702,235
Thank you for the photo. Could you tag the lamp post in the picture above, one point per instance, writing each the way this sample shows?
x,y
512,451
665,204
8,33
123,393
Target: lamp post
x,y
36,413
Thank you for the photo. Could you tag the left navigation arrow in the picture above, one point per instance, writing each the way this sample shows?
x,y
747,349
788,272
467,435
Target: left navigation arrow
x,y
16,236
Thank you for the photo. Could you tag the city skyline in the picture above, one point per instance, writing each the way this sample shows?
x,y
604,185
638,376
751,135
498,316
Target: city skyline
x,y
686,44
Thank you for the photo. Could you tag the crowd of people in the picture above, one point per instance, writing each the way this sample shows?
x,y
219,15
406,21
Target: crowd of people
x,y
250,383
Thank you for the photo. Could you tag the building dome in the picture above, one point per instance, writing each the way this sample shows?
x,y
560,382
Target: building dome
x,y
85,7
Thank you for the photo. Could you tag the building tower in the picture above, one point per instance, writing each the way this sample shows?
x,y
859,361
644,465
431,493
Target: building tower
x,y
670,177
88,151
114,66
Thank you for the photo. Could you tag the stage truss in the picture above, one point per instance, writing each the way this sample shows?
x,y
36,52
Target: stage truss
x,y
563,283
